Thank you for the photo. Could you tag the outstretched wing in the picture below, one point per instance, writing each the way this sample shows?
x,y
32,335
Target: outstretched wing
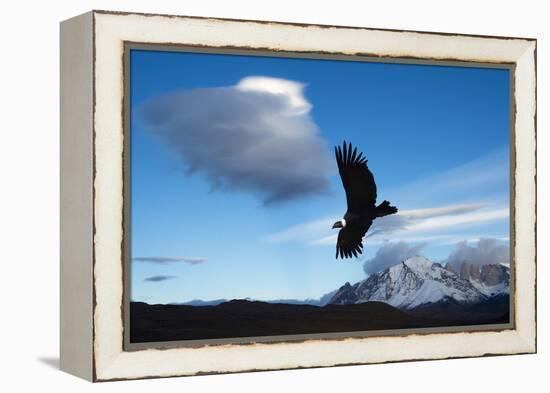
x,y
350,241
357,179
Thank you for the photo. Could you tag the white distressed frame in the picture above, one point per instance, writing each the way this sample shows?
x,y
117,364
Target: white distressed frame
x,y
110,30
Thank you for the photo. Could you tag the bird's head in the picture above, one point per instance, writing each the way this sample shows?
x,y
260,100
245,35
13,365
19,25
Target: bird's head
x,y
339,224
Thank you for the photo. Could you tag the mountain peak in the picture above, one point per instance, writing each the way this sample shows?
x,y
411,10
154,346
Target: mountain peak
x,y
418,263
417,281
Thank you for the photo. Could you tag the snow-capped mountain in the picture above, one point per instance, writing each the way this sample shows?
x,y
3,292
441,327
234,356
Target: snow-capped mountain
x,y
417,282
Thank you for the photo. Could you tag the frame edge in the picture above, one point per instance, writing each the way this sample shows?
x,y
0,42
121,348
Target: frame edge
x,y
76,198
114,364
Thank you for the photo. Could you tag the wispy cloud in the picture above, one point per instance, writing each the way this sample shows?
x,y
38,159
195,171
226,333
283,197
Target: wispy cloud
x,y
302,232
256,136
465,219
443,211
485,176
159,278
427,218
415,225
479,190
441,239
440,218
166,260
452,239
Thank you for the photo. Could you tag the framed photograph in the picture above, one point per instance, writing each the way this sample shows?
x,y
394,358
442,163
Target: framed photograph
x,y
247,195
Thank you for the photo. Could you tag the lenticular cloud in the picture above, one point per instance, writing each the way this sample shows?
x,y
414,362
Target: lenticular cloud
x,y
256,136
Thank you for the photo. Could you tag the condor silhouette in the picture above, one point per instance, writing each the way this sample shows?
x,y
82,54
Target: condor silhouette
x,y
360,189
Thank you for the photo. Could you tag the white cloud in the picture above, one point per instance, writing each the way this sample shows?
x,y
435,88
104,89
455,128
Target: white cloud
x,y
486,251
483,251
416,220
256,136
291,90
464,219
442,211
413,225
390,254
399,237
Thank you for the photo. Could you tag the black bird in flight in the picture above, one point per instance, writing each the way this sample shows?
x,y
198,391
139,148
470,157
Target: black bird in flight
x,y
361,197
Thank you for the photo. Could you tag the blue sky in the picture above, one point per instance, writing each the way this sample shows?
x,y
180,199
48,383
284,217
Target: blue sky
x,y
234,187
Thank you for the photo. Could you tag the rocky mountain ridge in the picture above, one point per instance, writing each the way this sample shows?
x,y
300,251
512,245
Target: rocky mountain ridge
x,y
417,282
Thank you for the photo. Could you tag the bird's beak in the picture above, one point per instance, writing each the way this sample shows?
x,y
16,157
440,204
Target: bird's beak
x,y
337,224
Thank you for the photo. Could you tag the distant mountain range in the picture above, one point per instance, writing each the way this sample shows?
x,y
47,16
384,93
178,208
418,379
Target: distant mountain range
x,y
245,318
322,301
410,284
415,293
418,282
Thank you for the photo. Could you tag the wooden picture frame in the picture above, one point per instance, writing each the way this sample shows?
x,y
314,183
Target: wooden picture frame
x,y
94,187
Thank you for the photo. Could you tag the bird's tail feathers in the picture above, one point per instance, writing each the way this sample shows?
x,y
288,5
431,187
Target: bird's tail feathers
x,y
385,209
